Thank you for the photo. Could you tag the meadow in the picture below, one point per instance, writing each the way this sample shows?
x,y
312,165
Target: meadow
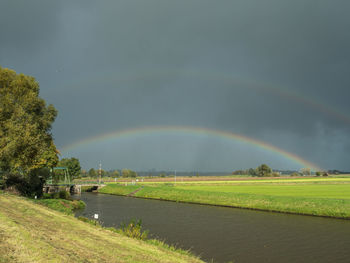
x,y
328,197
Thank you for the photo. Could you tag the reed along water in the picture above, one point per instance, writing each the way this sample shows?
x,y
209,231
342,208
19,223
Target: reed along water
x,y
229,234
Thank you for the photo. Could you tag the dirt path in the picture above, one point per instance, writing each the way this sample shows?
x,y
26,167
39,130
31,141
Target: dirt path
x,y
133,193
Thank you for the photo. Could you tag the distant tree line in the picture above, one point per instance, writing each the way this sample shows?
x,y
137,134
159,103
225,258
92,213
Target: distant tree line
x,y
94,173
261,171
265,171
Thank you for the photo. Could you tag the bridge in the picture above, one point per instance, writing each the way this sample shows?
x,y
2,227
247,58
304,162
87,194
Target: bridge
x,y
62,181
70,188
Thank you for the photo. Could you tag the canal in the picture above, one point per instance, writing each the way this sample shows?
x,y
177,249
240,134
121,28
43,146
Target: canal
x,y
228,234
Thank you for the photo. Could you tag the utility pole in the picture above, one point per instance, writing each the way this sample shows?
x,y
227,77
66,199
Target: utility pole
x,y
175,176
100,173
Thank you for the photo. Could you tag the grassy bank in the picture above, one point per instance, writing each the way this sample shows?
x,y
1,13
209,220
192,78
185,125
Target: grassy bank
x,y
30,232
62,205
320,197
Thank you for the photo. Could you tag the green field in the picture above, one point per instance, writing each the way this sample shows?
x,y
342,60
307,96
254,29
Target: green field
x,y
247,180
311,196
334,191
30,232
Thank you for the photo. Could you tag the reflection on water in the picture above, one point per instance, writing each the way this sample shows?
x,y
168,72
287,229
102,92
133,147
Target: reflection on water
x,y
225,234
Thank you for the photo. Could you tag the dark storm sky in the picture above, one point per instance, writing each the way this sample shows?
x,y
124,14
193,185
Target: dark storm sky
x,y
276,71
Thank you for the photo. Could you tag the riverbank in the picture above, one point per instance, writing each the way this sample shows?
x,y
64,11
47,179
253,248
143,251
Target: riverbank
x,y
62,205
30,232
317,198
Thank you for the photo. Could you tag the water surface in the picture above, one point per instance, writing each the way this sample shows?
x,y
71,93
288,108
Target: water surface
x,y
226,234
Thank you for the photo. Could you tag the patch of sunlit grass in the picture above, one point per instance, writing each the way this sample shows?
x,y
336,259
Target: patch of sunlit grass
x,y
34,233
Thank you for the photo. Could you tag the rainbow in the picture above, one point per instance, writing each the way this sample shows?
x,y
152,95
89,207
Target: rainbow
x,y
119,134
258,86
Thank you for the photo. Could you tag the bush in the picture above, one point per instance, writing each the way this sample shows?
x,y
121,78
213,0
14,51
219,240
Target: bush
x,y
64,206
78,204
57,195
54,195
29,185
46,196
134,230
64,195
2,183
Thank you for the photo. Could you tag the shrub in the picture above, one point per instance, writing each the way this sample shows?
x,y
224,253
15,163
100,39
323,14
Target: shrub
x,y
134,230
78,204
2,180
27,185
57,195
54,195
46,196
64,195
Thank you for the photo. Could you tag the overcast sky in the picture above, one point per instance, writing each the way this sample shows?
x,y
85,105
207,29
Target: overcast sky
x,y
274,70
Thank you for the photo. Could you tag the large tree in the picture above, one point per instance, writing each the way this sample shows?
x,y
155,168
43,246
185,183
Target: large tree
x,y
26,141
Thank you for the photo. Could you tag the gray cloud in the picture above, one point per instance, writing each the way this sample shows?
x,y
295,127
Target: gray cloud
x,y
28,26
273,70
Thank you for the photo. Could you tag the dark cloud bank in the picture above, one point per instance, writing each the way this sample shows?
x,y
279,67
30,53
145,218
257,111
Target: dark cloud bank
x,y
277,71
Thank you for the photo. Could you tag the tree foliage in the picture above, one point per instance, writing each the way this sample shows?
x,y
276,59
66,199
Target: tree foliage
x,y
250,171
92,172
73,166
128,173
115,173
84,173
263,170
26,142
305,171
30,184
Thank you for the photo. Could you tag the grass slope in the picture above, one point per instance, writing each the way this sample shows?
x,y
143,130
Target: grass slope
x,y
62,205
312,198
34,233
